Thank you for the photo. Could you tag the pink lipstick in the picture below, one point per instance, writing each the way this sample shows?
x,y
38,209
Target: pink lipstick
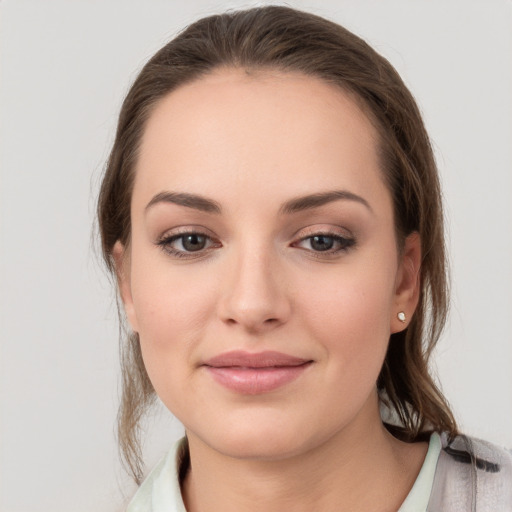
x,y
253,374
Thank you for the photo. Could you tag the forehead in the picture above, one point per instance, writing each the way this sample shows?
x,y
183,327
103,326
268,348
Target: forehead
x,y
234,132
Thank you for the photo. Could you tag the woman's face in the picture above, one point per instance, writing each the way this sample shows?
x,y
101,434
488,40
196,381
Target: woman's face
x,y
263,275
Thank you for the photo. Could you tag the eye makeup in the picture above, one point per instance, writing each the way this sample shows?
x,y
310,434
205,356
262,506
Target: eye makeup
x,y
192,243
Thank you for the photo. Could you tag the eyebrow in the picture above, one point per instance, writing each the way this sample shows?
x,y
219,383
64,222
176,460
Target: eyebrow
x,y
294,205
189,200
311,201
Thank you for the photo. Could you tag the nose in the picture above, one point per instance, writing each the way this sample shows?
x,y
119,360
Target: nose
x,y
255,295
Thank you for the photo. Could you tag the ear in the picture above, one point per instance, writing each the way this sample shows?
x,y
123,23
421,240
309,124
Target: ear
x,y
407,286
122,265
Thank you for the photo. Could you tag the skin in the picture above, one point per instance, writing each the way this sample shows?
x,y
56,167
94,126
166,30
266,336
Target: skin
x,y
251,143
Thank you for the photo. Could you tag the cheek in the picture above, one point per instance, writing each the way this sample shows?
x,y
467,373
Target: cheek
x,y
173,312
350,313
168,299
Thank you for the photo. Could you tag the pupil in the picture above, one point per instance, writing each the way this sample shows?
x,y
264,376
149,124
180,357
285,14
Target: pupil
x,y
322,243
194,242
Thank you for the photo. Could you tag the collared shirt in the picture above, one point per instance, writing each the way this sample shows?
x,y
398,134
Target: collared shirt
x,y
160,492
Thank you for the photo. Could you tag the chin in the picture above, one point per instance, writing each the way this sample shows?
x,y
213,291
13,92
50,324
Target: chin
x,y
260,439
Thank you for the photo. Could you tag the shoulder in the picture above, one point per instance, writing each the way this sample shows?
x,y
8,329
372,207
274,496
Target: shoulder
x,y
472,475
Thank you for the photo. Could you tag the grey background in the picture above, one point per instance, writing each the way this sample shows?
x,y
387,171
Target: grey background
x,y
65,67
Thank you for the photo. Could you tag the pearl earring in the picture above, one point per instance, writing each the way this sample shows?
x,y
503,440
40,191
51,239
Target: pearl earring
x,y
401,316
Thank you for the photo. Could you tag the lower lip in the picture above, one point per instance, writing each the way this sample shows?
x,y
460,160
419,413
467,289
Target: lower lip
x,y
254,381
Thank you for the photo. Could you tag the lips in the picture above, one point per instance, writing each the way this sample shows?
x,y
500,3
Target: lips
x,y
252,374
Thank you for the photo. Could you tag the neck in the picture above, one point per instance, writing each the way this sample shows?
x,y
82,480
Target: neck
x,y
361,468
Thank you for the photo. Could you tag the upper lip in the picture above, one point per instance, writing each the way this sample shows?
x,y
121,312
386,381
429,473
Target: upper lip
x,y
267,359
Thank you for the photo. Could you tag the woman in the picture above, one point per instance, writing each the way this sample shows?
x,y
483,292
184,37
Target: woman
x,y
271,209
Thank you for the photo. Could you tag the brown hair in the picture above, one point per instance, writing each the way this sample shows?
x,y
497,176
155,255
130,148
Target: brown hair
x,y
285,39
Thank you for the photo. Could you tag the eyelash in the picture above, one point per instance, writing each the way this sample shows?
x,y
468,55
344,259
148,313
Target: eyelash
x,y
165,244
344,244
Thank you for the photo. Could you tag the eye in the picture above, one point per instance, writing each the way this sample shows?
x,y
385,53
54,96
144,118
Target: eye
x,y
188,244
321,242
329,243
193,242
